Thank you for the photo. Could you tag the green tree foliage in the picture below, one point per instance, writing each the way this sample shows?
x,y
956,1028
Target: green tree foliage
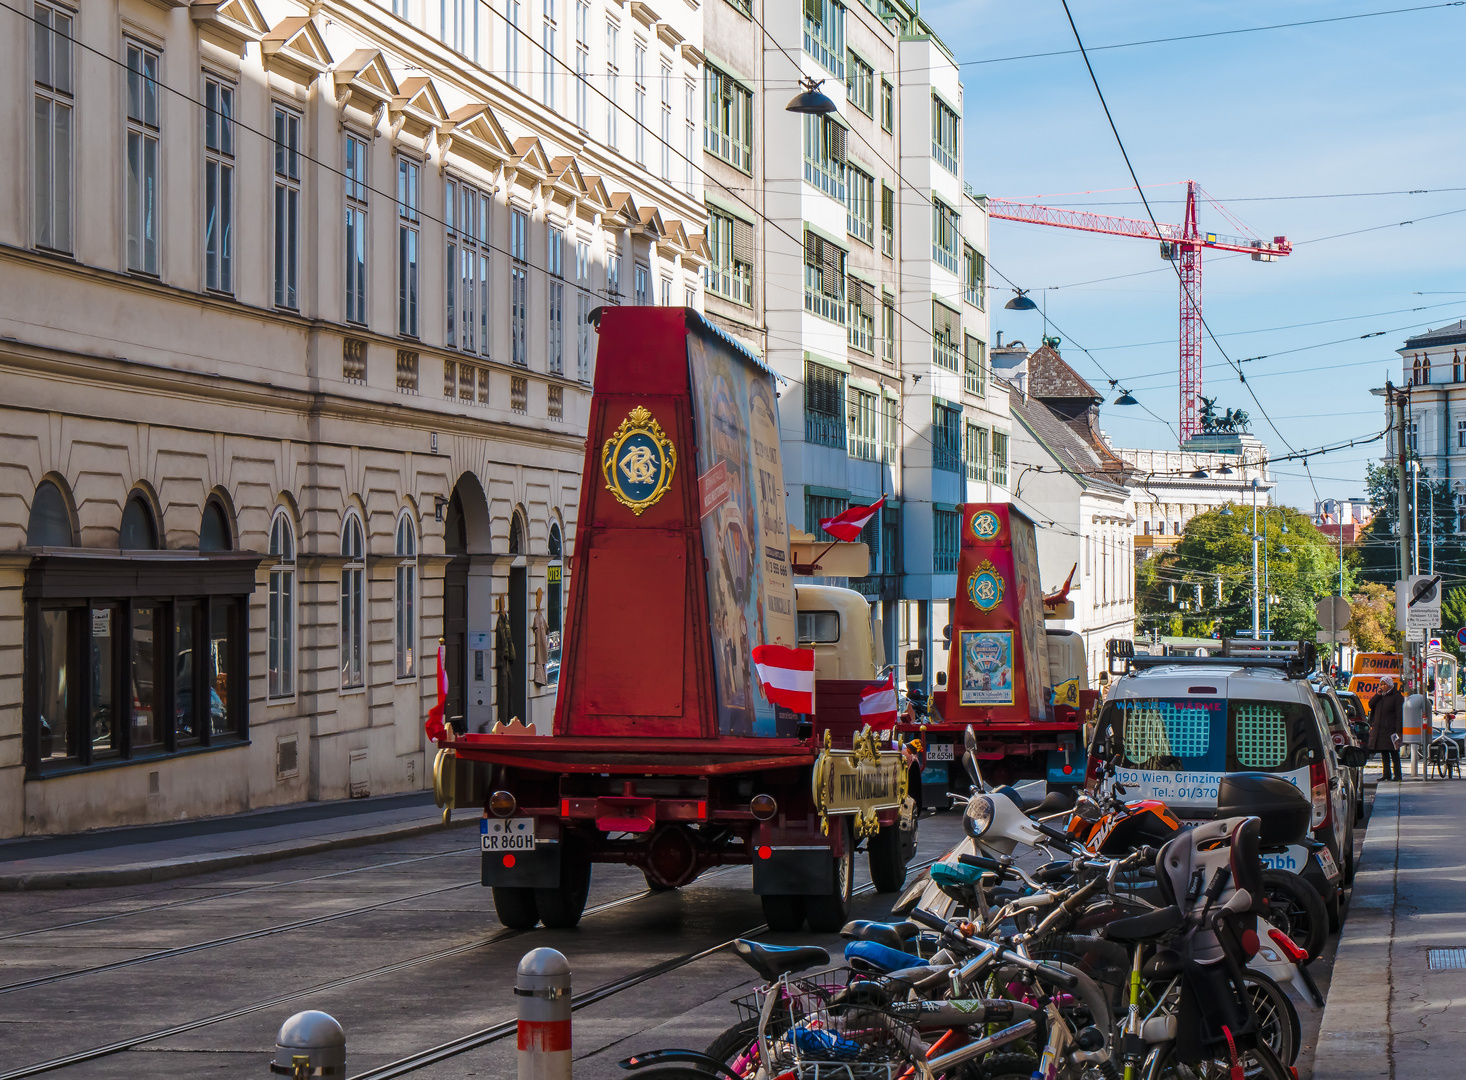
x,y
1217,547
1372,629
1378,548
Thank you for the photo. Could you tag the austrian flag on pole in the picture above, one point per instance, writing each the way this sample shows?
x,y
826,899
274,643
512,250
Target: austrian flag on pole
x,y
847,526
786,675
878,703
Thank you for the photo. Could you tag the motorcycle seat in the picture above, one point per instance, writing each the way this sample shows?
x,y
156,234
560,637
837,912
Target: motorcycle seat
x,y
881,959
771,961
1140,927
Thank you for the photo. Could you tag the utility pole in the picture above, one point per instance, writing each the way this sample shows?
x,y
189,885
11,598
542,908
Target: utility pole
x,y
1256,627
1397,397
1339,522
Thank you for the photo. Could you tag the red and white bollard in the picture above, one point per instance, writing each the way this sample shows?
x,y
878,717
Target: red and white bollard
x,y
542,985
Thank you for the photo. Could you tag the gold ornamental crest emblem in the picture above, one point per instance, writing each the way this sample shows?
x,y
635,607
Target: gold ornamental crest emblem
x,y
639,461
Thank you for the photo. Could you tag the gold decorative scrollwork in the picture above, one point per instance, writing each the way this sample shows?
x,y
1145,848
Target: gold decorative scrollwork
x,y
639,461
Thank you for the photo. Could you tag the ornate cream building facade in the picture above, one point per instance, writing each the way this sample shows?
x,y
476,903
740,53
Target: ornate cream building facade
x,y
296,375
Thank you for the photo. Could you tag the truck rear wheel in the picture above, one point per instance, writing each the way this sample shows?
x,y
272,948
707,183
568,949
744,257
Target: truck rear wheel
x,y
560,909
784,914
888,852
516,908
828,913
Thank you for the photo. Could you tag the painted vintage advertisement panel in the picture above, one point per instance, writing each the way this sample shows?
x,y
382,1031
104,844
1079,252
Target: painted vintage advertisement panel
x,y
750,582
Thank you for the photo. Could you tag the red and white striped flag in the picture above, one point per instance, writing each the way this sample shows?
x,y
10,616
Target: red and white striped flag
x,y
878,704
786,675
434,725
847,526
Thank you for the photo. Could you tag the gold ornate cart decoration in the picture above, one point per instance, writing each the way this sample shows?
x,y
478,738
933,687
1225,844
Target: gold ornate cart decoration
x,y
860,781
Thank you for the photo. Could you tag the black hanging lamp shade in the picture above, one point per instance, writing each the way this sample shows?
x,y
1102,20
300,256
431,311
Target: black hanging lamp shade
x,y
810,101
1021,302
1127,398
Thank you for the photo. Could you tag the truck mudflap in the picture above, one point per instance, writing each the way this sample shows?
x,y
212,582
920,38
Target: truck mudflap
x,y
807,870
538,868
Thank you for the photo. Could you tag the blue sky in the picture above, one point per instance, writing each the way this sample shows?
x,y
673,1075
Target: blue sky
x,y
1366,105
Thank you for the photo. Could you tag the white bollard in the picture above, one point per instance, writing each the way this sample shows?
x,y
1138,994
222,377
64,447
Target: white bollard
x,y
310,1044
542,985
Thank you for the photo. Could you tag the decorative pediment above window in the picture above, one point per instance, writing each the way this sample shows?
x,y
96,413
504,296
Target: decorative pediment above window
x,y
530,157
566,181
624,209
674,238
651,221
642,12
669,35
474,132
693,55
296,50
698,248
363,80
229,24
417,109
595,192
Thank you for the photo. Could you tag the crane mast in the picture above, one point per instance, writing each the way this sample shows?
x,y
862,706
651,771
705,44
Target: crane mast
x,y
1182,244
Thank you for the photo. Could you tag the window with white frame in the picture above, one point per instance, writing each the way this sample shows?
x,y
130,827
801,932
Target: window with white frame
x,y
406,552
511,40
977,453
861,441
281,616
859,83
399,8
638,101
554,262
518,286
667,122
727,114
730,257
888,106
353,629
613,77
582,63
860,204
888,328
974,277
582,311
666,292
890,429
946,336
408,218
824,278
1461,434
143,134
946,235
888,222
52,134
643,285
824,155
356,228
689,133
860,329
287,207
946,128
218,185
466,221
613,271
824,35
549,38
1000,458
974,358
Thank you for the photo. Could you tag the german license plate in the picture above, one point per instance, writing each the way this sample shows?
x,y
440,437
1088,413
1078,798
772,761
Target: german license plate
x,y
507,834
939,751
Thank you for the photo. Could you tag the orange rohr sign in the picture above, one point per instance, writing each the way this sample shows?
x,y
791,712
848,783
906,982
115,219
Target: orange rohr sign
x,y
1378,663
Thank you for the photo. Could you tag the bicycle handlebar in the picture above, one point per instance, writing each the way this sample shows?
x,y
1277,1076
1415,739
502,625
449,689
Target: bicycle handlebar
x,y
1063,979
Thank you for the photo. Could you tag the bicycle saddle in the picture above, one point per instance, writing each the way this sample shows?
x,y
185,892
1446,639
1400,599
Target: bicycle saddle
x,y
771,961
875,958
1140,927
956,874
894,935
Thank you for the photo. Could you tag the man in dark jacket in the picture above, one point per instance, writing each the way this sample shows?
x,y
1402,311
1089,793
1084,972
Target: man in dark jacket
x,y
1386,724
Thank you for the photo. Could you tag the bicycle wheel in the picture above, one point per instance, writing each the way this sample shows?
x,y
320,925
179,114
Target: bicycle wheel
x,y
1277,1019
737,1044
1295,908
1259,1063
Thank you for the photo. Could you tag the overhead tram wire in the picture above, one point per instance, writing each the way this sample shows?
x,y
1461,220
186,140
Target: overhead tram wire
x,y
1196,306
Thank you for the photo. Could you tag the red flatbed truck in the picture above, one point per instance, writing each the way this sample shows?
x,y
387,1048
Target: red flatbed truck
x,y
1003,667
664,753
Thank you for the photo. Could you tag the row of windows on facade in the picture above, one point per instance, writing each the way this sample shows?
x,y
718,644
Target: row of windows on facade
x,y
466,221
867,425
543,67
1421,368
1109,561
882,534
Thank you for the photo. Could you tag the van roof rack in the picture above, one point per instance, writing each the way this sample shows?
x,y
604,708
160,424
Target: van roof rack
x,y
1296,659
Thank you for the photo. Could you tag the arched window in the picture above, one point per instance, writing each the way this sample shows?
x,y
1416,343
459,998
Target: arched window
x,y
556,592
138,532
282,607
214,531
516,535
50,520
353,573
406,597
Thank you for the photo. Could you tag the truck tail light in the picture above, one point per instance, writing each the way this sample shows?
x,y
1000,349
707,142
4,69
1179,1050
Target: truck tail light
x,y
1318,779
502,803
763,807
564,808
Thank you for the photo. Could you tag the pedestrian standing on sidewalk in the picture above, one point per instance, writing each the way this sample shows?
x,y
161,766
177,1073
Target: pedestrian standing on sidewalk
x,y
1386,724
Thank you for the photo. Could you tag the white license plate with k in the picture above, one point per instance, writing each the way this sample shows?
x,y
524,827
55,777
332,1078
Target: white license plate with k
x,y
507,834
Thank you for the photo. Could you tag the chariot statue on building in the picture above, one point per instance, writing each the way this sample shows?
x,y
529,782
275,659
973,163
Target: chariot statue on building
x,y
1233,420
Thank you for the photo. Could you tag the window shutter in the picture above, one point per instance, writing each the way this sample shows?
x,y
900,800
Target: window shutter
x,y
812,10
812,250
832,273
837,141
944,322
742,241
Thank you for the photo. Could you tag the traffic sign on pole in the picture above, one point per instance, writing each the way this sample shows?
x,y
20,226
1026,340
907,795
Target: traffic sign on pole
x,y
1461,636
1417,605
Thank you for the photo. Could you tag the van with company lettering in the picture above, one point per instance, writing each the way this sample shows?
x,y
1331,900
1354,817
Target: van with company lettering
x,y
1174,726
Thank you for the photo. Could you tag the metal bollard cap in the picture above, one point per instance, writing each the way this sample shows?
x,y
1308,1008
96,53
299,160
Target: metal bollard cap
x,y
313,1039
543,962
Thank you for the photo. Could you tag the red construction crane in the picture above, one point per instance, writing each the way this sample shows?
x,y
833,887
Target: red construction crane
x,y
1181,243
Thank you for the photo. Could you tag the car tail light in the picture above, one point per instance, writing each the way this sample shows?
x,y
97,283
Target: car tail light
x,y
1290,950
1318,778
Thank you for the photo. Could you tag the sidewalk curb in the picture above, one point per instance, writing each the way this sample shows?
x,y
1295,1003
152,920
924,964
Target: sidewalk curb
x,y
1355,1038
167,869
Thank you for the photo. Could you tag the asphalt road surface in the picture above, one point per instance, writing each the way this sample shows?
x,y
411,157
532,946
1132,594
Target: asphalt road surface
x,y
399,942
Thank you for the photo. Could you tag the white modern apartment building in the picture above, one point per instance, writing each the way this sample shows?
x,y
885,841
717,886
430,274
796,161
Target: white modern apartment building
x,y
296,368
847,249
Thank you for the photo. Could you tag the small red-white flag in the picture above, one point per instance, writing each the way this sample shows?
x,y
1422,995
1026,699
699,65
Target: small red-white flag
x,y
434,725
878,703
847,526
786,675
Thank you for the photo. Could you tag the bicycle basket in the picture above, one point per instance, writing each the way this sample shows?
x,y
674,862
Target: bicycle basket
x,y
828,1026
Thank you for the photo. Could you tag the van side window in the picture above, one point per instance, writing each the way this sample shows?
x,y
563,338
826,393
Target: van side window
x,y
1261,735
819,627
1156,733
